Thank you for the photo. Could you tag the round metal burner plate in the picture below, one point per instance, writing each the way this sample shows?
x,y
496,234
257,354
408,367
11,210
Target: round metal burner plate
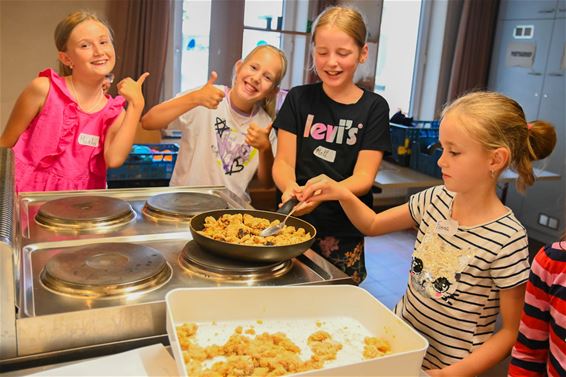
x,y
182,205
84,212
198,260
105,269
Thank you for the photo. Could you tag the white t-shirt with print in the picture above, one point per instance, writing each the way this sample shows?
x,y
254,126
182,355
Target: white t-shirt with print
x,y
213,150
456,275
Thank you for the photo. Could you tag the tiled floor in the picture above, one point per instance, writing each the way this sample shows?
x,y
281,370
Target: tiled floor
x,y
388,259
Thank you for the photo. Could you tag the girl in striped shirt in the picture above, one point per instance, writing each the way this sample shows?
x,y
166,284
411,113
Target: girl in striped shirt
x,y
470,260
541,346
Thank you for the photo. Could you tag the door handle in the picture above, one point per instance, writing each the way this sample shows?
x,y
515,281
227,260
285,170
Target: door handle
x,y
535,73
554,74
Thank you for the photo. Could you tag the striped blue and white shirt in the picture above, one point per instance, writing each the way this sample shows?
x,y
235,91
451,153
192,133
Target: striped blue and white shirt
x,y
452,296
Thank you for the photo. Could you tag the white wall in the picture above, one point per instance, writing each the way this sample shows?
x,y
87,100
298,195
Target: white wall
x,y
26,42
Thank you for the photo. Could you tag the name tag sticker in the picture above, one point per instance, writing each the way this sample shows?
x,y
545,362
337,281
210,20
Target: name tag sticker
x,y
325,154
446,227
89,140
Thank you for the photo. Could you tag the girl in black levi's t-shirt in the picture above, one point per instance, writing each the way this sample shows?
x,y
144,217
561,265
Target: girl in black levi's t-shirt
x,y
333,128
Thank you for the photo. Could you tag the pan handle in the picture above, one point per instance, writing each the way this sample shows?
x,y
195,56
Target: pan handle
x,y
288,206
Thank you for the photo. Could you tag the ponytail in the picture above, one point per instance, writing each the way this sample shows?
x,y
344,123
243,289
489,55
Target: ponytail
x,y
541,140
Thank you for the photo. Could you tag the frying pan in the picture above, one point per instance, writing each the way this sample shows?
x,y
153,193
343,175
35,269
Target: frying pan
x,y
261,253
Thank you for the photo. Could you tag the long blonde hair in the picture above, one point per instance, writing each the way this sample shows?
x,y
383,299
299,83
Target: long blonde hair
x,y
65,28
269,103
346,19
498,121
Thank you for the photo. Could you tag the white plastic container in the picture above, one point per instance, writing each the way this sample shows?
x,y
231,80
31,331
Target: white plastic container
x,y
294,307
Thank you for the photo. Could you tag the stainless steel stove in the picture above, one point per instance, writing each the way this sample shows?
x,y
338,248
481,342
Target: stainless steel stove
x,y
91,268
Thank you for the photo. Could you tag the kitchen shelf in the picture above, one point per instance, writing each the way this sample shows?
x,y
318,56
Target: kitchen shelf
x,y
276,31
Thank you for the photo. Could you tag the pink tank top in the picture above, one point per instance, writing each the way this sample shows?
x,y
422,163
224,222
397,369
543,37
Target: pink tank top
x,y
62,148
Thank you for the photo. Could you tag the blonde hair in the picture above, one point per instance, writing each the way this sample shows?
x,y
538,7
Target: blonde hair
x,y
497,121
65,28
269,103
346,19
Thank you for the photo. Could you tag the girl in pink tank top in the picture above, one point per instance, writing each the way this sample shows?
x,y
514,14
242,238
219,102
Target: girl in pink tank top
x,y
64,130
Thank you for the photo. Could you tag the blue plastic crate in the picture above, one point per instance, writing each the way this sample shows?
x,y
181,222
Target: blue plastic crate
x,y
425,152
402,138
146,162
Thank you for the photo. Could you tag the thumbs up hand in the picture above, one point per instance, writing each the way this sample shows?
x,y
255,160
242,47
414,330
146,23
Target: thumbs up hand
x,y
209,95
258,137
131,90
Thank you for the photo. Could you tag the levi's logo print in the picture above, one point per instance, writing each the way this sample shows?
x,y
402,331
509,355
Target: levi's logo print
x,y
232,150
344,132
436,268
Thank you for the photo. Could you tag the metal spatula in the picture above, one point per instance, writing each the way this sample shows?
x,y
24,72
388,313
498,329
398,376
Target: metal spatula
x,y
275,229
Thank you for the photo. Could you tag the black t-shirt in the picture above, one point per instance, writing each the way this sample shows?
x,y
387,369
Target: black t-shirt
x,y
329,137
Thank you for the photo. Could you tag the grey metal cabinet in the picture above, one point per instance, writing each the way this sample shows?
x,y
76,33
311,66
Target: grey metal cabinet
x,y
561,11
522,84
540,90
527,9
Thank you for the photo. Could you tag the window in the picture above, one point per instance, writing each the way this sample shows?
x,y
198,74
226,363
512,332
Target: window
x,y
281,23
265,15
285,24
396,54
194,43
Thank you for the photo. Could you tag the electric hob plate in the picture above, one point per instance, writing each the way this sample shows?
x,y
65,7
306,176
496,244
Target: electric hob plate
x,y
181,206
105,270
198,260
84,213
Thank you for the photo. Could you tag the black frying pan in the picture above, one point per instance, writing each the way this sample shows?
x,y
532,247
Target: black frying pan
x,y
250,253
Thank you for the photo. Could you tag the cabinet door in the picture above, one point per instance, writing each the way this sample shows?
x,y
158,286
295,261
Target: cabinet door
x,y
549,197
522,84
561,11
527,10
553,99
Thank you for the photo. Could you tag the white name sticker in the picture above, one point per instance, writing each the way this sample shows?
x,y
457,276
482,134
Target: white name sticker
x,y
446,227
325,153
89,140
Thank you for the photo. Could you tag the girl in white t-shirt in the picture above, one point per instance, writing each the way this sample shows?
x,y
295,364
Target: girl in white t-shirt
x,y
226,131
470,260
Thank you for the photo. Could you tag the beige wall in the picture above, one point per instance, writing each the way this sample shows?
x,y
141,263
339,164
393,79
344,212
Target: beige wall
x,y
26,42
